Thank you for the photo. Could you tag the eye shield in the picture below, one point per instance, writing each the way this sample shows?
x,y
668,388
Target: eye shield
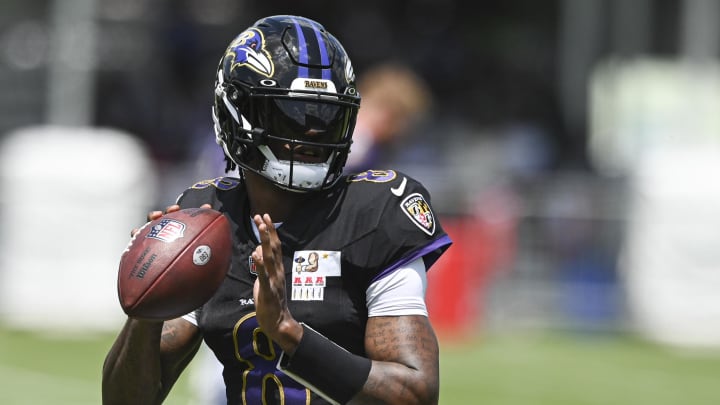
x,y
303,121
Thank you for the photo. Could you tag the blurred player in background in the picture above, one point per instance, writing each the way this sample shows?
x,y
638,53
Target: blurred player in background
x,y
394,99
324,300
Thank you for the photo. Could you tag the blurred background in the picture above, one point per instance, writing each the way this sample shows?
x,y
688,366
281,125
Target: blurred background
x,y
571,147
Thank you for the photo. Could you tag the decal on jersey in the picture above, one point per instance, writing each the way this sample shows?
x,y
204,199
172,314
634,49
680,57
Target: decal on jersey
x,y
419,212
167,230
251,266
374,176
311,268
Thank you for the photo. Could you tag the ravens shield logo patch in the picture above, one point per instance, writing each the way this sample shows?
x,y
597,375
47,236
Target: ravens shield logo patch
x,y
419,212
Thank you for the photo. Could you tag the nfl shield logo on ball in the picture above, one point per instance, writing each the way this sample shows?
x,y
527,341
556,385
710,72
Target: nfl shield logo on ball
x,y
167,230
202,254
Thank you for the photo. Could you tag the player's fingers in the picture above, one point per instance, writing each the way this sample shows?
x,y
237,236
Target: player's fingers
x,y
153,215
267,245
271,253
260,268
271,227
257,256
258,221
263,230
274,240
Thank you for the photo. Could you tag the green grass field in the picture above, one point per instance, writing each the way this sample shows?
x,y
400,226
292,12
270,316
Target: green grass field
x,y
552,369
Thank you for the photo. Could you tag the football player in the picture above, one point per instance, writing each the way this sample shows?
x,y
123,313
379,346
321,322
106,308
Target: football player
x,y
324,300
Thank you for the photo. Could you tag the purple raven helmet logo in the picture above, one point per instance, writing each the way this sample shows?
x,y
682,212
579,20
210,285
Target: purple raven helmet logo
x,y
248,49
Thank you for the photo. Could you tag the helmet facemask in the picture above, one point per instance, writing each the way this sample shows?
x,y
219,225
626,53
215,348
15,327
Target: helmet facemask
x,y
297,139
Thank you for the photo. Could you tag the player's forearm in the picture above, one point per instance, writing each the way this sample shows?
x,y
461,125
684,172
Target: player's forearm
x,y
405,370
132,368
405,367
342,379
393,383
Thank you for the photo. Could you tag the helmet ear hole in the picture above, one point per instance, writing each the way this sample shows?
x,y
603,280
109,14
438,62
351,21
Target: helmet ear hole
x,y
233,94
238,93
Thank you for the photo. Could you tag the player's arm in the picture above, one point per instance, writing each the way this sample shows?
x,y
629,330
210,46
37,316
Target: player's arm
x,y
404,354
146,360
402,351
402,367
148,356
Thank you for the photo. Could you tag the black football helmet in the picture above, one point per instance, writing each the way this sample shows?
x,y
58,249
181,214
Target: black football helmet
x,y
286,103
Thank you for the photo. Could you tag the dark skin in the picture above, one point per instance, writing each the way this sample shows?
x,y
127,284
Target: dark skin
x,y
148,356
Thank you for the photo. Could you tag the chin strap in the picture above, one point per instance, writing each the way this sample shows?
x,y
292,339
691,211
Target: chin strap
x,y
302,175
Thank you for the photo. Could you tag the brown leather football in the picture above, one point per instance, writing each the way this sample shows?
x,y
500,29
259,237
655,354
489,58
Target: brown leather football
x,y
174,264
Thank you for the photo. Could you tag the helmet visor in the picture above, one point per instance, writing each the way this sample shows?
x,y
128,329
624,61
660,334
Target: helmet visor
x,y
318,122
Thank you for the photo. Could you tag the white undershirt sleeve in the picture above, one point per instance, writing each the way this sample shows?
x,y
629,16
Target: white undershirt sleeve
x,y
191,317
401,292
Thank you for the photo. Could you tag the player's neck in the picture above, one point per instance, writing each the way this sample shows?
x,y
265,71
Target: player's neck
x,y
266,197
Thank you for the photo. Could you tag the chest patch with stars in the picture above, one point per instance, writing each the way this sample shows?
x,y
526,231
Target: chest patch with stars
x,y
311,268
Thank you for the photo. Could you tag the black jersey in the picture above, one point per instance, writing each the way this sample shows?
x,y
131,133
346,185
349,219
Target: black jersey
x,y
341,240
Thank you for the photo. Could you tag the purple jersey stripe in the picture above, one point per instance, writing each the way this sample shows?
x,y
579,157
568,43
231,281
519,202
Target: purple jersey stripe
x,y
440,243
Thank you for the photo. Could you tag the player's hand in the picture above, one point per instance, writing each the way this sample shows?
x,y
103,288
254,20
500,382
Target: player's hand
x,y
269,291
153,215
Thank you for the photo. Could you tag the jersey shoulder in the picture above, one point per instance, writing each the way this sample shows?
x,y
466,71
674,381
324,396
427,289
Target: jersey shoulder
x,y
396,209
386,184
211,191
396,198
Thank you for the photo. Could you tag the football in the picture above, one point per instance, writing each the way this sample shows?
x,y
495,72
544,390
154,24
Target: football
x,y
174,264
